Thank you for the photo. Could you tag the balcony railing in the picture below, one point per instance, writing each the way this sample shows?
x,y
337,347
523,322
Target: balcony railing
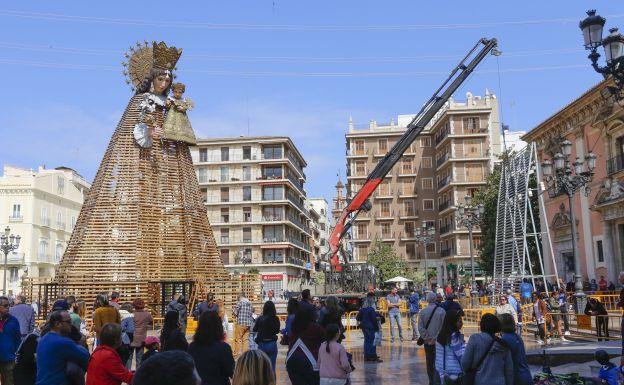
x,y
384,214
444,205
444,181
446,229
442,159
615,164
45,222
60,225
409,213
446,252
441,135
231,158
16,218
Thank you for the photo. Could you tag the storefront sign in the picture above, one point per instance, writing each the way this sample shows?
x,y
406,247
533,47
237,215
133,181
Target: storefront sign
x,y
272,277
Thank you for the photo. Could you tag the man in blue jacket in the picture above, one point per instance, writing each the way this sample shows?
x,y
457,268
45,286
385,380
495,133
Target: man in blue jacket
x,y
10,338
414,308
56,349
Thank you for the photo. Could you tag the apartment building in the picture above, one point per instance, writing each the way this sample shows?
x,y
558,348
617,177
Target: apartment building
x,y
449,160
319,224
41,206
253,188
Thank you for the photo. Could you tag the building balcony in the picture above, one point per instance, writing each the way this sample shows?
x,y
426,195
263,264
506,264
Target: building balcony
x,y
408,214
446,229
60,225
13,218
385,194
359,153
446,253
444,181
441,135
45,222
44,258
615,164
14,259
444,205
441,160
388,237
407,236
361,237
384,215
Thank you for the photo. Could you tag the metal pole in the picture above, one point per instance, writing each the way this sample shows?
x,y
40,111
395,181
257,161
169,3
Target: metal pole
x,y
426,267
579,295
4,281
474,282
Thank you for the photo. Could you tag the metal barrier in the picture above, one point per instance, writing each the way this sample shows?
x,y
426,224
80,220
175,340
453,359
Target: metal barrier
x,y
609,301
583,324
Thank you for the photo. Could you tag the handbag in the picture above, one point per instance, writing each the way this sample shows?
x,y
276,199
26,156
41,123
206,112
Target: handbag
x,y
421,341
469,377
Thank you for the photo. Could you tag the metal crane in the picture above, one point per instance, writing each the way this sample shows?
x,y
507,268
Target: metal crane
x,y
361,199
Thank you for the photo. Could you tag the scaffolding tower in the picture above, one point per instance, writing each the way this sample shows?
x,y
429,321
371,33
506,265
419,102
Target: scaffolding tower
x,y
516,223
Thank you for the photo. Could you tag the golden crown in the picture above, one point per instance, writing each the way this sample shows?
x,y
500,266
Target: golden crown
x,y
165,57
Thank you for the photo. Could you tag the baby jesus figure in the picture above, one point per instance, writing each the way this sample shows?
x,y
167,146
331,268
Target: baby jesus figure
x,y
177,125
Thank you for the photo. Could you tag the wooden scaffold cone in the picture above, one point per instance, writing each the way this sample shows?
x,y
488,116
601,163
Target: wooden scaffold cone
x,y
143,222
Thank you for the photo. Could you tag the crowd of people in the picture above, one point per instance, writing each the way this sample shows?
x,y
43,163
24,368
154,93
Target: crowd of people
x,y
117,345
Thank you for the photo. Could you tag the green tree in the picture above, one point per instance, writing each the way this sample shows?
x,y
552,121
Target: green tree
x,y
386,262
488,196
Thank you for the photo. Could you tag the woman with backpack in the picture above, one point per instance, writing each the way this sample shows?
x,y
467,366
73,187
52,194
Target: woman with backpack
x,y
487,358
450,347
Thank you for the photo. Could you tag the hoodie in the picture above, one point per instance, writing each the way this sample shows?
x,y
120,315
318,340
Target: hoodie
x,y
496,368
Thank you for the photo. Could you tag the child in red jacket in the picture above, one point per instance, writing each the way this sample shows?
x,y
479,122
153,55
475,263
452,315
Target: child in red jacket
x,y
105,366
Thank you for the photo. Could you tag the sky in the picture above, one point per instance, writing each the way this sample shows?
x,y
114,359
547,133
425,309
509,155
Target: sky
x,y
295,68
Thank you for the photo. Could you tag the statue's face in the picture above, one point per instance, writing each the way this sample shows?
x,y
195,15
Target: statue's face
x,y
161,83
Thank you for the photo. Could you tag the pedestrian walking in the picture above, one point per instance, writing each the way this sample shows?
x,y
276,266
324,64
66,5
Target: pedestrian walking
x,y
596,308
142,321
25,315
308,302
487,357
208,305
267,327
334,365
114,300
104,313
332,314
504,307
126,313
306,337
450,346
166,368
10,339
430,324
414,308
212,355
540,314
526,290
620,305
244,321
451,304
179,305
562,298
55,350
253,367
291,309
522,374
152,347
106,366
394,313
369,320
171,337
25,370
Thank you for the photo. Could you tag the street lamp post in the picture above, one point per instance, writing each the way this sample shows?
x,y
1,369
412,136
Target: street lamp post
x,y
613,45
568,178
8,243
469,216
424,236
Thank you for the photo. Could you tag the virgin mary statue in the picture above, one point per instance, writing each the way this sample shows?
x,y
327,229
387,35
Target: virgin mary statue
x,y
143,220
